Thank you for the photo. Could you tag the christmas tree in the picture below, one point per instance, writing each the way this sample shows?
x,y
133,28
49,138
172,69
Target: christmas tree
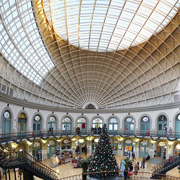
x,y
103,159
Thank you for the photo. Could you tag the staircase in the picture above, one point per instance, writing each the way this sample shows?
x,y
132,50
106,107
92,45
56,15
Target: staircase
x,y
23,160
165,166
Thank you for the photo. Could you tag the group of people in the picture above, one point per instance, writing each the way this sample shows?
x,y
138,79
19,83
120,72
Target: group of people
x,y
96,131
137,165
58,159
77,161
84,149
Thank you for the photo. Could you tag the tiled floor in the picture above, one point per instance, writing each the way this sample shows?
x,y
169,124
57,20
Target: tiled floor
x,y
67,169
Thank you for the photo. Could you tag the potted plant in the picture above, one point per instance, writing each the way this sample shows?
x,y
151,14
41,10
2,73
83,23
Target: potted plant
x,y
84,166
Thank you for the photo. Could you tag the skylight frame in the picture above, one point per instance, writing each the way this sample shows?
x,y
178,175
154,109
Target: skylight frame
x,y
20,41
93,11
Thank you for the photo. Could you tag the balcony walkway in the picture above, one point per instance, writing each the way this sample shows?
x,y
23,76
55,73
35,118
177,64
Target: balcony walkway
x,y
154,135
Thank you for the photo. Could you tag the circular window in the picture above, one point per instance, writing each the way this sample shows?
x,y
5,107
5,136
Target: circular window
x,y
52,118
37,117
178,117
129,119
6,114
145,119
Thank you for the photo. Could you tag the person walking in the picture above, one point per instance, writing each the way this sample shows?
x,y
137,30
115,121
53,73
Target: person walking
x,y
136,168
129,155
143,162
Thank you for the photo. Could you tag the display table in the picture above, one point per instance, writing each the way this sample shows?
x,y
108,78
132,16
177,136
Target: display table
x,y
54,161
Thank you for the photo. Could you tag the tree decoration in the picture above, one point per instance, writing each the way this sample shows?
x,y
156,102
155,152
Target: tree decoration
x,y
103,158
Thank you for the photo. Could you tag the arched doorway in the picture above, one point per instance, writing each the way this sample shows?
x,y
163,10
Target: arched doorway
x,y
66,144
37,124
6,124
129,125
94,144
128,146
51,148
177,148
82,124
162,125
52,124
82,146
178,125
145,126
36,150
97,125
161,149
144,146
113,125
66,125
22,120
114,144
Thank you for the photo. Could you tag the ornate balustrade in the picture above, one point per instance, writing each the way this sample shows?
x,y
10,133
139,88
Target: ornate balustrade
x,y
140,175
59,133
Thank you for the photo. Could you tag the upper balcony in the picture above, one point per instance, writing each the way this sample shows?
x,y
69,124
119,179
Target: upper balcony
x,y
154,135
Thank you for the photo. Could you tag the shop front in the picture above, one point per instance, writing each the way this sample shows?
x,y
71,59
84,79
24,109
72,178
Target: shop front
x,y
66,144
161,149
94,144
128,147
144,146
114,144
51,148
36,151
177,149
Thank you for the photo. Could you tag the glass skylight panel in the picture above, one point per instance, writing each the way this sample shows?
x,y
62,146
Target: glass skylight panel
x,y
18,42
105,16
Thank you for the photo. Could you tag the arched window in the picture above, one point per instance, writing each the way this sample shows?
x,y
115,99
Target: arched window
x,y
22,120
129,125
178,125
37,124
6,125
66,125
97,125
82,124
145,126
162,125
52,123
113,125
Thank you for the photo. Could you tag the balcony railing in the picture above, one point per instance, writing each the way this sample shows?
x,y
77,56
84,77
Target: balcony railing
x,y
140,175
60,133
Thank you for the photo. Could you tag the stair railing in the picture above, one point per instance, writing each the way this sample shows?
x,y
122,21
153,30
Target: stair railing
x,y
40,166
23,156
165,164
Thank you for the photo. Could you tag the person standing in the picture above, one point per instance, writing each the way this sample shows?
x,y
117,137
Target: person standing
x,y
170,131
133,156
129,155
143,162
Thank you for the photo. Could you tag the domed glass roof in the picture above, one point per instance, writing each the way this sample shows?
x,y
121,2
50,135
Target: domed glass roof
x,y
72,53
108,25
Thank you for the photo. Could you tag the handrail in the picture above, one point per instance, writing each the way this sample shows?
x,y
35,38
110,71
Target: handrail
x,y
40,163
160,166
140,175
25,156
91,132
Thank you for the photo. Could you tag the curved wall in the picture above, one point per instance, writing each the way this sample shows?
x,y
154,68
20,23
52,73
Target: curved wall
x,y
153,115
